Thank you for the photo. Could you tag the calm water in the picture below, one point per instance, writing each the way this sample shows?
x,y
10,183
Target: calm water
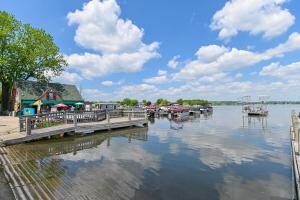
x,y
220,156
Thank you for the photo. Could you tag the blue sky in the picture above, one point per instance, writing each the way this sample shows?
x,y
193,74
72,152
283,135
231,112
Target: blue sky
x,y
216,50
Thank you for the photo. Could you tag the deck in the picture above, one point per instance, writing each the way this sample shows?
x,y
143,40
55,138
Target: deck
x,y
78,125
295,140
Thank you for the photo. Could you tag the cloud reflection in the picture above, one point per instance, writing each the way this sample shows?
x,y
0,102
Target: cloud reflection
x,y
236,188
119,174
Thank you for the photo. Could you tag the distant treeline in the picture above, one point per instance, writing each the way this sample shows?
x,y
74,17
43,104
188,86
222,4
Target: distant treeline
x,y
216,103
192,102
189,102
129,102
164,102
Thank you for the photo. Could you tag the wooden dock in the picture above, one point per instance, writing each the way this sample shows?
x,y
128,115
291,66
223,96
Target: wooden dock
x,y
73,123
295,141
31,177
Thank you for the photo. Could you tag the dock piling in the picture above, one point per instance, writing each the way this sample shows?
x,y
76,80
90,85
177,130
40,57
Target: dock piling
x,y
75,120
28,125
129,116
108,117
65,117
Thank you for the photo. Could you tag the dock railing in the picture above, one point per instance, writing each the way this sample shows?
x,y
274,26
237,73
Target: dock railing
x,y
28,123
295,129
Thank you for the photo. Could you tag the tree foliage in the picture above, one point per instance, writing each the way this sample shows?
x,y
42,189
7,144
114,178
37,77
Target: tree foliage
x,y
26,52
162,102
146,102
192,102
129,102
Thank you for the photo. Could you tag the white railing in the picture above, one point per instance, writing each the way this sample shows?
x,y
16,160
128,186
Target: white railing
x,y
295,130
28,123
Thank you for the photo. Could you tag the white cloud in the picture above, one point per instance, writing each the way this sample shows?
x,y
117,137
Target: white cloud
x,y
214,77
173,63
94,65
161,77
95,94
107,83
118,42
266,17
210,53
111,83
100,28
239,75
137,90
232,59
67,77
291,71
228,61
292,44
162,72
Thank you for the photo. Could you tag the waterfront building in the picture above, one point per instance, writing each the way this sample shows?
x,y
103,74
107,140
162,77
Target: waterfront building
x,y
44,97
106,106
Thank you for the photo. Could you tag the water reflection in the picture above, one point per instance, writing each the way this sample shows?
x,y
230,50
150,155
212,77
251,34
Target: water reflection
x,y
237,187
218,156
253,121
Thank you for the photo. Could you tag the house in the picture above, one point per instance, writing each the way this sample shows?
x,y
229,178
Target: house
x,y
29,92
106,106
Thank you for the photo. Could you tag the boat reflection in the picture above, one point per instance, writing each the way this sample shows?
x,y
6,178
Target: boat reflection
x,y
74,144
253,121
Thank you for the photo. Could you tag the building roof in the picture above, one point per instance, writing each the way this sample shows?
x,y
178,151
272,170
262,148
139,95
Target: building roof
x,y
31,90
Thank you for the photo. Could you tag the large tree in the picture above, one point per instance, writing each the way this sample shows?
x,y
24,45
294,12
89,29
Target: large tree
x,y
25,53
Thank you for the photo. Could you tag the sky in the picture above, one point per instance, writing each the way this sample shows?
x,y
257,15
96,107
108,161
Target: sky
x,y
210,49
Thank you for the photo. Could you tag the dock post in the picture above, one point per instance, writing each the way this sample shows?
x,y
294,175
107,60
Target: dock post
x,y
108,117
65,117
28,126
129,116
296,131
75,120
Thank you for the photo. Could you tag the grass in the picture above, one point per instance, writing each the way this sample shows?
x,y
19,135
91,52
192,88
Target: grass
x,y
48,124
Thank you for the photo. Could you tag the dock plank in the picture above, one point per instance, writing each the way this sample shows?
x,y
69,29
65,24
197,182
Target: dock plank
x,y
89,127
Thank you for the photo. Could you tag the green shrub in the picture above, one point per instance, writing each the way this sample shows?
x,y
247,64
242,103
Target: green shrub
x,y
46,124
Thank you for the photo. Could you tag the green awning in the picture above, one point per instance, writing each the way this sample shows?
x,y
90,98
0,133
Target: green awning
x,y
51,102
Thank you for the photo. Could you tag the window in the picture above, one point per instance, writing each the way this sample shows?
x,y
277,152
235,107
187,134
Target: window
x,y
51,96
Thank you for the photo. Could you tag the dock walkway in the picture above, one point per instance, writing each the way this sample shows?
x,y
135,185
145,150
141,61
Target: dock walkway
x,y
295,141
77,126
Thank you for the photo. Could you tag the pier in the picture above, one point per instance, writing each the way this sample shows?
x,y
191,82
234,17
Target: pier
x,y
40,180
295,141
73,123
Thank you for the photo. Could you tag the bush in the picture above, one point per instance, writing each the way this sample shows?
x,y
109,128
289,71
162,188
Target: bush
x,y
46,124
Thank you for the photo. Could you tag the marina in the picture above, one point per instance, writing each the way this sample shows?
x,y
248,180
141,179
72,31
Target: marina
x,y
177,111
149,100
207,155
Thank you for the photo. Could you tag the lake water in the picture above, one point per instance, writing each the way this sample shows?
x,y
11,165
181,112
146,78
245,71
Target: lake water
x,y
218,156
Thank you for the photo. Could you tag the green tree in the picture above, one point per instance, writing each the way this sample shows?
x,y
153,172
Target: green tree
x,y
145,101
129,102
162,102
179,101
26,53
158,101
